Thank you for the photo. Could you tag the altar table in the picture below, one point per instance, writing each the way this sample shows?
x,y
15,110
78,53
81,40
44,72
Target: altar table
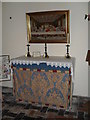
x,y
45,81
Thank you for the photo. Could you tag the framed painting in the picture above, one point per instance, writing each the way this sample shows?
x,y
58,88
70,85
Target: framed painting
x,y
4,68
48,27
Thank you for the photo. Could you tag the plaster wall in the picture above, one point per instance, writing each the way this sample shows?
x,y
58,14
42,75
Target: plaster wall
x,y
15,38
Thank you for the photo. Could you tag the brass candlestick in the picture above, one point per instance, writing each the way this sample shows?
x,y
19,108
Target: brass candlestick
x,y
28,53
46,55
67,53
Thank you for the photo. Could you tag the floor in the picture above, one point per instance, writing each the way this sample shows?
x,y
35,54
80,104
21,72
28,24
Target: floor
x,y
12,110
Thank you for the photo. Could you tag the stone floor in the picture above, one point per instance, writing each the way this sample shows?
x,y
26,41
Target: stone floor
x,y
12,110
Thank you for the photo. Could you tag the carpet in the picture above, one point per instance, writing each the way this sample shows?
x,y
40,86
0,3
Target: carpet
x,y
13,110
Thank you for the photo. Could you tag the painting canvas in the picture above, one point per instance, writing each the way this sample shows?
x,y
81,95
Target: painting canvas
x,y
49,27
4,67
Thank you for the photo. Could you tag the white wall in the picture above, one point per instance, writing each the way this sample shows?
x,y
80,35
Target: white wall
x,y
14,36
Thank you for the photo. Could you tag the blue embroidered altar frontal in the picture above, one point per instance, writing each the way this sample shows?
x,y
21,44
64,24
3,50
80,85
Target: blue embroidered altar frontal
x,y
42,84
41,66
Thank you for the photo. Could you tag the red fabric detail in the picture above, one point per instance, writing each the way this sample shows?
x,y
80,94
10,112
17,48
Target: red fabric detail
x,y
38,70
24,68
47,30
69,71
11,66
47,104
69,82
68,97
20,99
54,70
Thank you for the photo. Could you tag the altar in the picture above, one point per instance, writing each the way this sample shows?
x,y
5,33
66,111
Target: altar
x,y
44,81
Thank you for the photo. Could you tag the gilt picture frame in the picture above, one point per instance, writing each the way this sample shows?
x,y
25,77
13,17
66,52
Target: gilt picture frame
x,y
48,27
